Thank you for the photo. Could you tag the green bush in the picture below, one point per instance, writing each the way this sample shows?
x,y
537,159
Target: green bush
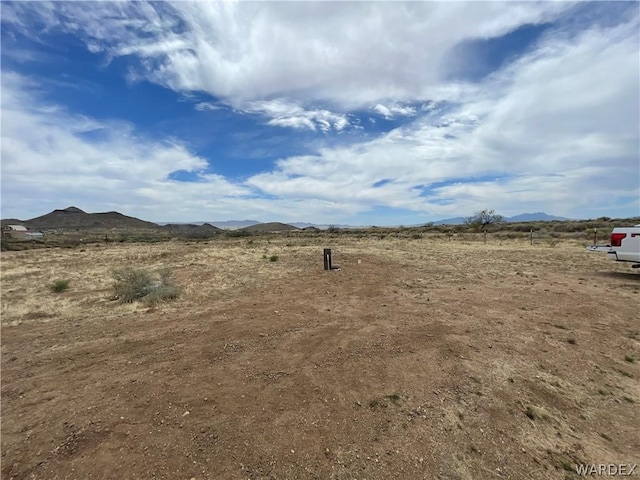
x,y
133,284
273,258
59,286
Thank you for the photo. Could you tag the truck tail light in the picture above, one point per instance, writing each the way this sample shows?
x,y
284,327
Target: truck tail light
x,y
616,239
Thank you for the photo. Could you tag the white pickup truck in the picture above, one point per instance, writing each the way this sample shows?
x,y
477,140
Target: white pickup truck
x,y
624,245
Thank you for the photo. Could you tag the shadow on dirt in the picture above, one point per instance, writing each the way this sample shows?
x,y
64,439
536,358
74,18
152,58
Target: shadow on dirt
x,y
633,276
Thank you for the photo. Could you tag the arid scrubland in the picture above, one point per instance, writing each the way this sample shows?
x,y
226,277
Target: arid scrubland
x,y
419,358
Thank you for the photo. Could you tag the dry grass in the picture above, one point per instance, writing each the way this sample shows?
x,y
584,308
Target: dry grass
x,y
421,357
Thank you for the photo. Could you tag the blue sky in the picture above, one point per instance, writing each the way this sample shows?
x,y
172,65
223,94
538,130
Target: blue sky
x,y
328,112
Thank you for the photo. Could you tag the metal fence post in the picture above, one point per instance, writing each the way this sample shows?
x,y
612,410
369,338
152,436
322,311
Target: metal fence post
x,y
327,258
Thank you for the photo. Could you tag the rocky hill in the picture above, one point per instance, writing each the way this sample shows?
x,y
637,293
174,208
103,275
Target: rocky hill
x,y
191,230
72,218
269,227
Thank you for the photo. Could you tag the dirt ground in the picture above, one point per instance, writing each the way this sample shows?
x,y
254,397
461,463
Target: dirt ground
x,y
418,359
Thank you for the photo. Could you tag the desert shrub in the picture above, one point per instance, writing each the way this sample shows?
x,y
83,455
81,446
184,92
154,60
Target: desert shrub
x,y
510,235
524,227
530,412
133,284
161,293
166,276
237,233
273,258
200,234
59,286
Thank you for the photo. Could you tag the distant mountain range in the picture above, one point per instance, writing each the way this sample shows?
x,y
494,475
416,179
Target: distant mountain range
x,y
237,224
523,217
222,224
535,217
74,218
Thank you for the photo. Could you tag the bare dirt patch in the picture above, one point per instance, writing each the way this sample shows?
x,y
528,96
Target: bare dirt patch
x,y
418,359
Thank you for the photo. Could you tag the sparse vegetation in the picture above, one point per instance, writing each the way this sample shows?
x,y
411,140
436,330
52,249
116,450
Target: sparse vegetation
x,y
60,286
394,397
273,258
566,465
385,401
549,233
481,219
133,284
161,293
244,325
624,373
529,412
238,233
629,358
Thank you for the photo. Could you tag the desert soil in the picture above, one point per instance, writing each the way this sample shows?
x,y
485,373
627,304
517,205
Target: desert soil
x,y
417,359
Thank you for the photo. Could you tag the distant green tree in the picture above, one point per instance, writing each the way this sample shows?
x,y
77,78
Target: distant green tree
x,y
482,218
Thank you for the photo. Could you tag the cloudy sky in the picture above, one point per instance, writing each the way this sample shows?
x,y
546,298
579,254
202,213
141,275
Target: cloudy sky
x,y
329,112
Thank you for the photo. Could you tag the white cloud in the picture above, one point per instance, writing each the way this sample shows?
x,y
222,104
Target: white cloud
x,y
52,158
556,131
346,54
49,154
207,106
256,56
287,114
384,111
391,111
